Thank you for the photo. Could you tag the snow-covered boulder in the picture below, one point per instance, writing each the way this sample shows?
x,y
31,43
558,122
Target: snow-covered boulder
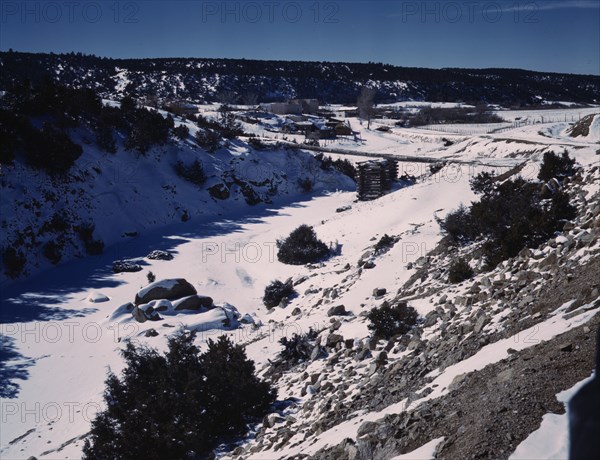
x,y
147,311
97,297
125,309
225,317
194,302
160,255
122,266
170,289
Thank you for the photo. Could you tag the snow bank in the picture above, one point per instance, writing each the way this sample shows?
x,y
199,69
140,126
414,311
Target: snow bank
x,y
425,452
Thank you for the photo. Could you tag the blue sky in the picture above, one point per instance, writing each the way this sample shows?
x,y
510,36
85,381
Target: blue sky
x,y
545,35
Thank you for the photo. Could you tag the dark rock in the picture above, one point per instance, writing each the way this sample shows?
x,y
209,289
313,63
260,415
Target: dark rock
x,y
160,255
170,289
378,292
194,302
151,333
334,339
219,191
123,266
367,428
338,310
567,347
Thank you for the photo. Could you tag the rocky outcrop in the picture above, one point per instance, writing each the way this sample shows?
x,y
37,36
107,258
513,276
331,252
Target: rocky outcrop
x,y
170,289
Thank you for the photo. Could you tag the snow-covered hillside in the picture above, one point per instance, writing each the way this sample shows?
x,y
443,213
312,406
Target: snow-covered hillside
x,y
499,333
125,195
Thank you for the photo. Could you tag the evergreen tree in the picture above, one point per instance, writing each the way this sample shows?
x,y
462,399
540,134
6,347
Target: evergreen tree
x,y
179,405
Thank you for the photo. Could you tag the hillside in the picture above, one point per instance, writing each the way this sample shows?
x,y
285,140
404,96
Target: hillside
x,y
249,81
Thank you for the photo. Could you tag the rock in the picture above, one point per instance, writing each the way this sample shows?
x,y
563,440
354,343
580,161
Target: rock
x,y
567,347
247,319
219,191
300,280
456,382
335,325
270,420
97,297
194,302
162,305
333,340
296,311
123,266
338,310
363,354
122,310
343,208
351,451
349,343
551,259
170,289
316,353
378,292
505,375
158,254
414,344
367,428
381,358
442,300
151,333
480,323
139,315
431,318
369,264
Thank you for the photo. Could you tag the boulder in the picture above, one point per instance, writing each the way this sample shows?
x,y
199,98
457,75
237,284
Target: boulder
x,y
161,305
194,302
160,255
170,289
247,319
480,323
219,191
378,292
367,428
334,339
122,310
338,310
270,420
124,266
145,313
97,297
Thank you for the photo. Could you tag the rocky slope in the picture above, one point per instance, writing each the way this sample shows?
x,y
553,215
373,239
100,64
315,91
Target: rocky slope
x,y
478,373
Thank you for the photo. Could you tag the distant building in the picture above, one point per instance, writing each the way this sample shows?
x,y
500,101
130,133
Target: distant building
x,y
308,105
293,107
282,108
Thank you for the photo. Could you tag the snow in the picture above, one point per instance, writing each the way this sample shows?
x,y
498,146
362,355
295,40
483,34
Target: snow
x,y
425,452
551,439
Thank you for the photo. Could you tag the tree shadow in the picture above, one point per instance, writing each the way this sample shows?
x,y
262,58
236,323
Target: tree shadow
x,y
13,366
